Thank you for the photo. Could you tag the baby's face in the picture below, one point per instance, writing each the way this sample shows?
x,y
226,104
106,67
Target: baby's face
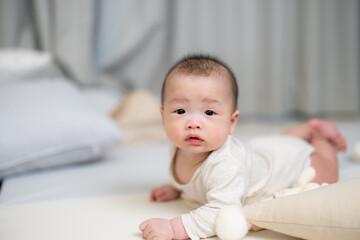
x,y
198,112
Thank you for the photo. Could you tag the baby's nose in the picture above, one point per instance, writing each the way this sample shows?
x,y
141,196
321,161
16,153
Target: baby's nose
x,y
193,124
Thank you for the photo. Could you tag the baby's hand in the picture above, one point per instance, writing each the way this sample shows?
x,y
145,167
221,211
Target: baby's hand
x,y
156,229
164,193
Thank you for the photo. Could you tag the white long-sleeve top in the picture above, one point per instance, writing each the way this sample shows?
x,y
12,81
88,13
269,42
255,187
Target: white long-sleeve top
x,y
240,174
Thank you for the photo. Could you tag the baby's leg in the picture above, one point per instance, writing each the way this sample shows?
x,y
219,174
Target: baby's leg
x,y
324,161
327,140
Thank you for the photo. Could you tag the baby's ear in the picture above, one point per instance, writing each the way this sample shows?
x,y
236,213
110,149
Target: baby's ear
x,y
162,114
233,121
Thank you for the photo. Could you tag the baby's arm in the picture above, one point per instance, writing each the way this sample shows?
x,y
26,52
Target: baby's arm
x,y
163,194
163,229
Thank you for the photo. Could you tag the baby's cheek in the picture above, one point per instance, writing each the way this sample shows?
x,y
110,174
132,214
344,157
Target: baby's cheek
x,y
218,138
173,133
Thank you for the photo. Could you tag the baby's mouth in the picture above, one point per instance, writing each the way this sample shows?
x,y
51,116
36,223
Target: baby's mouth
x,y
194,139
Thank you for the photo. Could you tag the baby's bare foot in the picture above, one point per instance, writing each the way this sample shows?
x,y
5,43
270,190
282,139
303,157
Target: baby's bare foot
x,y
329,130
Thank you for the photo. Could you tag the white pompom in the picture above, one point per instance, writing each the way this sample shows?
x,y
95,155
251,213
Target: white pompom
x,y
356,152
231,223
307,175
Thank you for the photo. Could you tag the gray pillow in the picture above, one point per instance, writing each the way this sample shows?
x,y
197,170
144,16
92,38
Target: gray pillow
x,y
48,123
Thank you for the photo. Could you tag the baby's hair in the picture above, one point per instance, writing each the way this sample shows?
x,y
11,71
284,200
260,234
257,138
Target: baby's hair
x,y
202,65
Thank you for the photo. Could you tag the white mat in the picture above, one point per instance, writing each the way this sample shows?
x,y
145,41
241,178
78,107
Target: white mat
x,y
93,218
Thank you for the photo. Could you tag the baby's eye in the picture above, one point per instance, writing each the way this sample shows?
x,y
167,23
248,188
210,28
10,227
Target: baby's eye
x,y
180,111
209,112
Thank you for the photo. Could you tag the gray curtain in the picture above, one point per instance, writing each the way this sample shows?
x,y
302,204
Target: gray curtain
x,y
291,57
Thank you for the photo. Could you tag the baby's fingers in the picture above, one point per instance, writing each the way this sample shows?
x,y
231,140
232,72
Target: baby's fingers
x,y
146,234
161,196
142,226
155,194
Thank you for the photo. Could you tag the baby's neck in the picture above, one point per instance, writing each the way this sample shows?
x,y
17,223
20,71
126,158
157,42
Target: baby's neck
x,y
186,163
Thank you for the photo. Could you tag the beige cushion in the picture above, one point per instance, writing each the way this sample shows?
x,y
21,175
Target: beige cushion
x,y
139,117
330,212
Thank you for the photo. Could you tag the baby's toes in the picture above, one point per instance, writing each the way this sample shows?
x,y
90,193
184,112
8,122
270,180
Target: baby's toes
x,y
343,144
340,143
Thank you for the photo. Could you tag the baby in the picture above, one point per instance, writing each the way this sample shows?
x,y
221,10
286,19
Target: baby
x,y
208,165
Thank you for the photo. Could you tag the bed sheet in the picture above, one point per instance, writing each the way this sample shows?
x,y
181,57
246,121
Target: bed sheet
x,y
124,170
131,169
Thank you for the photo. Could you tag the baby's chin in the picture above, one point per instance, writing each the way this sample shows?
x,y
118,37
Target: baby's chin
x,y
195,149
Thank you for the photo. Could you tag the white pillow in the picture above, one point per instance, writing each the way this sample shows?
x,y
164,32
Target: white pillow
x,y
23,64
48,123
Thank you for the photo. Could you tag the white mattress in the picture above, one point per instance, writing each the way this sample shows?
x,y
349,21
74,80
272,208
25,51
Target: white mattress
x,y
126,171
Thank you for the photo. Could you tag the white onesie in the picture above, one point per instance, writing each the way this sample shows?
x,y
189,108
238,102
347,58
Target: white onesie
x,y
240,174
